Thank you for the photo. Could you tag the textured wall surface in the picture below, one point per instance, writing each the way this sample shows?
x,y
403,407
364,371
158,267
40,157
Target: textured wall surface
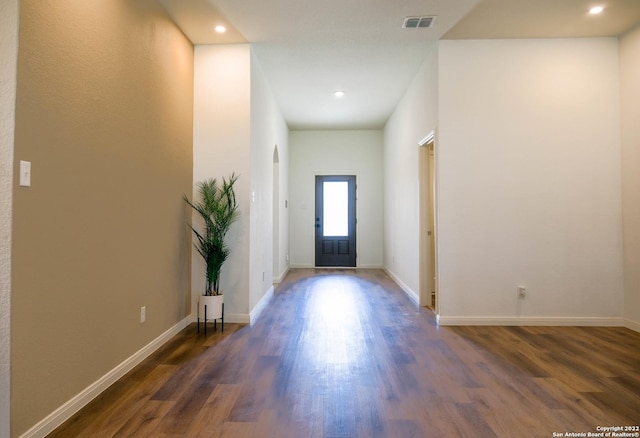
x,y
8,54
104,113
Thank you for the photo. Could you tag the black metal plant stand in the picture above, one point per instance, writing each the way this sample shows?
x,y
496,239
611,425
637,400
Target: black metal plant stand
x,y
214,321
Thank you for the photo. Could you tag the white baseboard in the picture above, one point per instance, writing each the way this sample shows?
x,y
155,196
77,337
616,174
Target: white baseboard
x,y
632,325
238,318
313,266
278,279
257,310
407,290
64,412
531,321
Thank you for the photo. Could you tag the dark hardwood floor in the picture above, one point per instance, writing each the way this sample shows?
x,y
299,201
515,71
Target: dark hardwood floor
x,y
346,354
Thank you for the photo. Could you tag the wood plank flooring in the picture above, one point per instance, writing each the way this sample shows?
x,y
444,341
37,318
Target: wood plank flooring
x,y
346,354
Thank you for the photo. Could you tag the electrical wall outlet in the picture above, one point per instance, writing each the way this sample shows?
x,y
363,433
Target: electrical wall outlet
x,y
143,314
522,291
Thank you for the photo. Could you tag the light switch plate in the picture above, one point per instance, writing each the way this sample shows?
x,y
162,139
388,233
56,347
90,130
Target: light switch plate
x,y
25,173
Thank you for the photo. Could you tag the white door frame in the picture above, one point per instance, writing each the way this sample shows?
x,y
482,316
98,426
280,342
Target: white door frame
x,y
428,223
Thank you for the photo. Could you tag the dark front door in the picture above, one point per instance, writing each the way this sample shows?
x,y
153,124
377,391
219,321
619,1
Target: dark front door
x,y
336,221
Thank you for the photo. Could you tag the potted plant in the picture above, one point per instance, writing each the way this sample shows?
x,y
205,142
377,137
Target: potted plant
x,y
218,210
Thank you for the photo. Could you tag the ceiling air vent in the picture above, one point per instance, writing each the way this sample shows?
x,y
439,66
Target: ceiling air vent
x,y
417,22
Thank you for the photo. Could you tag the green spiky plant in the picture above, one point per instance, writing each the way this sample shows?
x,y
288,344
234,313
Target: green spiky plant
x,y
219,210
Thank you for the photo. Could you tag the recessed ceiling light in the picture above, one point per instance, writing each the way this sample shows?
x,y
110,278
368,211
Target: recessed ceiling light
x,y
596,10
220,28
339,93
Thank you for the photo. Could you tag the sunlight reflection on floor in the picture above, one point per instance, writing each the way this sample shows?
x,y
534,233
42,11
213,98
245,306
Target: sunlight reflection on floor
x,y
333,317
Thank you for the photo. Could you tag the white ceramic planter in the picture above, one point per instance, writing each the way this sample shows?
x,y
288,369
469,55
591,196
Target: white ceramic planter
x,y
214,306
210,308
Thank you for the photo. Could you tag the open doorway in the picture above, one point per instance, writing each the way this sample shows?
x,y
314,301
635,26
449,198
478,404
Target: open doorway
x,y
428,229
276,215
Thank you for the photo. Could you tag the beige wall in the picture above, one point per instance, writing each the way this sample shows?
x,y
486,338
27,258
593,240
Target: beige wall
x,y
9,57
630,98
221,145
414,118
104,113
345,152
268,131
237,125
529,182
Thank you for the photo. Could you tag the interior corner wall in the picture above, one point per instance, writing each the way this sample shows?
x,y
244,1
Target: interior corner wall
x,y
9,55
630,98
529,187
221,146
336,153
104,103
413,119
268,132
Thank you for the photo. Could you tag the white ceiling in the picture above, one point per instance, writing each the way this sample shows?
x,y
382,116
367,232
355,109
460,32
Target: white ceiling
x,y
309,48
